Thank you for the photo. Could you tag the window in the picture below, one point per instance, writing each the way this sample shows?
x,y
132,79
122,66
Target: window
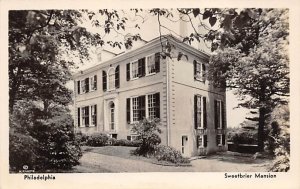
x,y
117,77
78,87
151,64
201,141
112,117
83,86
135,109
134,70
111,79
94,114
143,106
200,114
85,116
151,106
199,71
104,80
220,140
219,115
141,67
93,83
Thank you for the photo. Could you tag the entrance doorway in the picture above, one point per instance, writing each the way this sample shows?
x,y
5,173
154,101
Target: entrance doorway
x,y
184,146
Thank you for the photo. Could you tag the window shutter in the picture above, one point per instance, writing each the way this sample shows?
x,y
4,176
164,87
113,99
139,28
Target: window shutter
x,y
157,62
95,82
204,113
203,72
104,81
87,116
95,109
78,87
223,139
142,107
216,114
223,115
141,67
198,141
205,140
195,112
117,77
78,117
128,71
128,110
157,105
87,85
195,68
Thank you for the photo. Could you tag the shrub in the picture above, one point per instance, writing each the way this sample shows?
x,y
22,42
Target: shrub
x,y
167,153
97,139
82,138
22,151
148,131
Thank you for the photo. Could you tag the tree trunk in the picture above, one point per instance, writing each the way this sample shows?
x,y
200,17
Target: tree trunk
x,y
261,124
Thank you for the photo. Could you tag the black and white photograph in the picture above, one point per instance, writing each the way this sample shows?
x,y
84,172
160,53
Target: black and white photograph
x,y
148,90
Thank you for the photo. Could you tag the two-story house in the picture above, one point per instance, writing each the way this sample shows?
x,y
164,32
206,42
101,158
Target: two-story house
x,y
116,93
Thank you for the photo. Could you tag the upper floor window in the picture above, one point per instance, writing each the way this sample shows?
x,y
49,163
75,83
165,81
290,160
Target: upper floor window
x,y
219,114
111,79
199,71
143,66
87,84
200,114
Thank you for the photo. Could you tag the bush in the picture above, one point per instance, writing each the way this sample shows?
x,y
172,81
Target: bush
x,y
124,142
22,151
167,153
97,139
82,138
148,131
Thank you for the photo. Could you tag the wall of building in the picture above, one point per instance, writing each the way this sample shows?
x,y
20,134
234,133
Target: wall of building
x,y
183,88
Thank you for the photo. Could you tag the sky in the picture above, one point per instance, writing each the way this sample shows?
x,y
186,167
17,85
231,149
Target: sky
x,y
149,29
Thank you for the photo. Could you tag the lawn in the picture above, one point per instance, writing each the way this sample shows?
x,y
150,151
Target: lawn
x,y
120,159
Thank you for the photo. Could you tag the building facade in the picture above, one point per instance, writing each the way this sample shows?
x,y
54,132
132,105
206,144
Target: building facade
x,y
113,95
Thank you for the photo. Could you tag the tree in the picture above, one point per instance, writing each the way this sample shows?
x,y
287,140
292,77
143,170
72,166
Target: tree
x,y
259,71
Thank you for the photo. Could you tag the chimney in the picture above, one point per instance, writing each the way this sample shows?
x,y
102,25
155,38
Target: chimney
x,y
183,25
99,54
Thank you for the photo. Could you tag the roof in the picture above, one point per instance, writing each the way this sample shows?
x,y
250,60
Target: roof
x,y
150,44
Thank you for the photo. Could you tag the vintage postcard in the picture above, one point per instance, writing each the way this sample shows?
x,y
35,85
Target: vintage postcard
x,y
137,94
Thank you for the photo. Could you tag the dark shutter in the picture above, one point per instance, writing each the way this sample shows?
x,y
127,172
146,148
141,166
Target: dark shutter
x,y
87,86
205,140
195,68
104,81
95,108
95,82
198,141
204,113
141,67
157,105
117,77
87,113
223,139
195,112
78,117
128,71
157,62
203,72
223,115
128,110
216,114
78,87
142,107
